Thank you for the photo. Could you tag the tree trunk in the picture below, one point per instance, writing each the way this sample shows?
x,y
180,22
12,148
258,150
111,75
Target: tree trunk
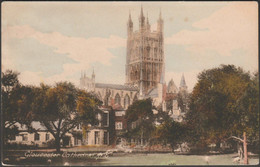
x,y
218,145
245,149
57,144
172,146
240,151
142,138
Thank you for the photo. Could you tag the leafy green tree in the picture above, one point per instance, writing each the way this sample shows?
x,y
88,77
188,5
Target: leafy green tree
x,y
171,132
9,80
61,108
214,113
16,100
247,107
140,113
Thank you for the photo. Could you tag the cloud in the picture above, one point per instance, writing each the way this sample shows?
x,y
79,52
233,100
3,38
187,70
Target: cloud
x,y
83,51
232,27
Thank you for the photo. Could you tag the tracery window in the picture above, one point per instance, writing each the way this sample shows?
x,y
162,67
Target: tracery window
x,y
126,101
117,99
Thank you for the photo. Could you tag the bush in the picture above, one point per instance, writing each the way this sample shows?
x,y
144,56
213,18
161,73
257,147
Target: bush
x,y
51,143
18,146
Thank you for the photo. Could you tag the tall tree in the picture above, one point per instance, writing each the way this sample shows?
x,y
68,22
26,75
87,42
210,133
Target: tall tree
x,y
214,113
16,100
171,132
141,114
247,106
61,108
9,81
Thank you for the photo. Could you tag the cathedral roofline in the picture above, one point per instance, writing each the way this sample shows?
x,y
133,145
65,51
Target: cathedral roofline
x,y
116,86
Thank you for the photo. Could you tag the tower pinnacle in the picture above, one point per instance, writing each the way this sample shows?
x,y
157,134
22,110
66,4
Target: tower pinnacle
x,y
147,21
129,25
142,20
142,13
160,23
130,19
183,85
148,26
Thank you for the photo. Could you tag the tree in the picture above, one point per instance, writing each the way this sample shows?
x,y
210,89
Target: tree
x,y
61,108
171,132
183,101
247,122
16,100
140,113
247,107
220,104
9,80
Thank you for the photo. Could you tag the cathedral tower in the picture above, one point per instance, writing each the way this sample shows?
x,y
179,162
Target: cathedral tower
x,y
145,54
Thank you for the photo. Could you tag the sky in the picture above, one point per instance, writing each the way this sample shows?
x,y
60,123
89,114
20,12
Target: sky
x,y
55,41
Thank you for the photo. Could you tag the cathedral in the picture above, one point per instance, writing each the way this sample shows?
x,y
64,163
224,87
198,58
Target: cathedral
x,y
144,78
144,69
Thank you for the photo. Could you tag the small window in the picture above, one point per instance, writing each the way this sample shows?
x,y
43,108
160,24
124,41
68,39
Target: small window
x,y
119,125
133,125
105,119
25,137
105,138
36,137
87,136
119,113
47,136
97,137
12,137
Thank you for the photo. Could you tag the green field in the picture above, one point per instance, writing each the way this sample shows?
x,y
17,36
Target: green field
x,y
166,159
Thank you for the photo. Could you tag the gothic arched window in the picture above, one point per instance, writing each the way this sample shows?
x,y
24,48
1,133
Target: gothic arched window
x,y
136,75
117,99
126,101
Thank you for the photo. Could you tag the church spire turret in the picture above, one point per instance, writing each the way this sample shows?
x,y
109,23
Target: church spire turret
x,y
148,26
160,23
129,25
142,13
130,22
142,20
183,85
